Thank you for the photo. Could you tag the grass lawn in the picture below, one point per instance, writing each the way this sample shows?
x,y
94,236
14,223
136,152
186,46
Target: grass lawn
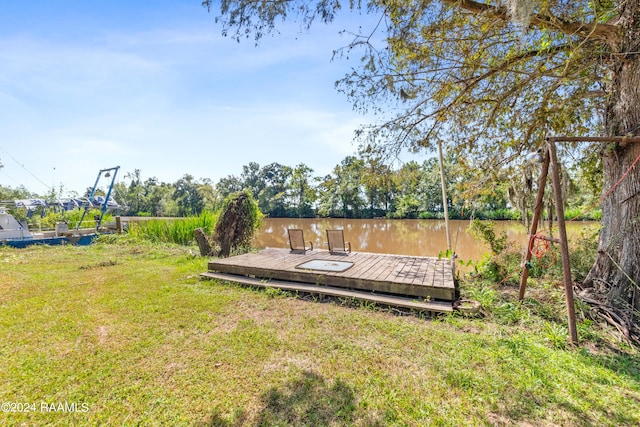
x,y
127,334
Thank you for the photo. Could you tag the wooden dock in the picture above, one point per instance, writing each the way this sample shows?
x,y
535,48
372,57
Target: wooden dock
x,y
410,278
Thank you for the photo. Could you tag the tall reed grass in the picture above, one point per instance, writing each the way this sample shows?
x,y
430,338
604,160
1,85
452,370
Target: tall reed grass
x,y
179,230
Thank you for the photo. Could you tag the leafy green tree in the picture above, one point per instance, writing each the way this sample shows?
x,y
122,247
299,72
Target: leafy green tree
x,y
226,186
161,199
188,196
408,181
303,193
134,195
147,198
493,79
328,198
377,179
272,198
154,192
17,193
348,185
208,194
252,178
430,188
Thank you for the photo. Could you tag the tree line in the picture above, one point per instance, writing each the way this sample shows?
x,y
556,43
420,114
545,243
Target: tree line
x,y
360,186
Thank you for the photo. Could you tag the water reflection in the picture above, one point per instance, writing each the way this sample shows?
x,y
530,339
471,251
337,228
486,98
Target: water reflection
x,y
403,237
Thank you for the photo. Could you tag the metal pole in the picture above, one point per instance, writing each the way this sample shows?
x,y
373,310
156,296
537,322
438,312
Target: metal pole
x,y
106,200
537,211
444,196
86,208
564,246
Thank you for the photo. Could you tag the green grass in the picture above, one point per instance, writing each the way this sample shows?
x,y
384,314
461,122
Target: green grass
x,y
129,330
178,231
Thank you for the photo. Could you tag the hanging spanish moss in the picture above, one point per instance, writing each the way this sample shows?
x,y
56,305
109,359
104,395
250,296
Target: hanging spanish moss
x,y
520,12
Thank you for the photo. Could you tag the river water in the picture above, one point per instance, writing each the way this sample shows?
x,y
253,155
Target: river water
x,y
402,237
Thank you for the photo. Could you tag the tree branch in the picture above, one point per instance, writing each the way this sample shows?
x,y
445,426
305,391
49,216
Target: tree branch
x,y
605,32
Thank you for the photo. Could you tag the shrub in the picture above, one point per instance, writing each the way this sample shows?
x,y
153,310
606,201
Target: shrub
x,y
583,254
582,215
484,230
239,219
505,260
427,215
50,218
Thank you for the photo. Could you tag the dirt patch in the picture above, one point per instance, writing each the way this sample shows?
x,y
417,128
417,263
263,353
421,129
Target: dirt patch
x,y
103,334
99,264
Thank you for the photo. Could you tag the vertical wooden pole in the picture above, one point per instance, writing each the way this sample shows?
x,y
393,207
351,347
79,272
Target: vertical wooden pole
x,y
118,224
537,211
564,246
445,204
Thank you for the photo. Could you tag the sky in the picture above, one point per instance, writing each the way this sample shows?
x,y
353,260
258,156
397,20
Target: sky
x,y
153,85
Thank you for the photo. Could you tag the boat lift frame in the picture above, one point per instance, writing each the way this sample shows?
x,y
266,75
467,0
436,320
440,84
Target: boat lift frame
x,y
103,209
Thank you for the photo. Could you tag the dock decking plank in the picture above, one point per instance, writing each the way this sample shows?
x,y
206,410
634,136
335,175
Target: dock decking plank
x,y
381,272
393,264
409,274
361,266
418,280
395,274
404,264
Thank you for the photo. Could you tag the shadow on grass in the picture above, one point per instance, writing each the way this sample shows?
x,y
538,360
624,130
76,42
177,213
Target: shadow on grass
x,y
305,400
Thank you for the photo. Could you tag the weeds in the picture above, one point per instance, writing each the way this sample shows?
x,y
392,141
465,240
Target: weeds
x,y
485,295
496,280
555,334
272,292
179,230
583,252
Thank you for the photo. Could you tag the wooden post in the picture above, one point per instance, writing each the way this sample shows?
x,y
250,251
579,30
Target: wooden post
x,y
203,242
445,204
118,225
537,211
564,245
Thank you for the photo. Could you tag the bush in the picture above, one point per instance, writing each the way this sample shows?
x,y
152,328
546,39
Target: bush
x,y
239,219
427,215
581,215
582,254
484,230
72,218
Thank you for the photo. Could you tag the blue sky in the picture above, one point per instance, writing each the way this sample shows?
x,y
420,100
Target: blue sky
x,y
153,85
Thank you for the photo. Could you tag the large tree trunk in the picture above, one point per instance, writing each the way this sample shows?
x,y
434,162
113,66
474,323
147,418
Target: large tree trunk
x,y
615,276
